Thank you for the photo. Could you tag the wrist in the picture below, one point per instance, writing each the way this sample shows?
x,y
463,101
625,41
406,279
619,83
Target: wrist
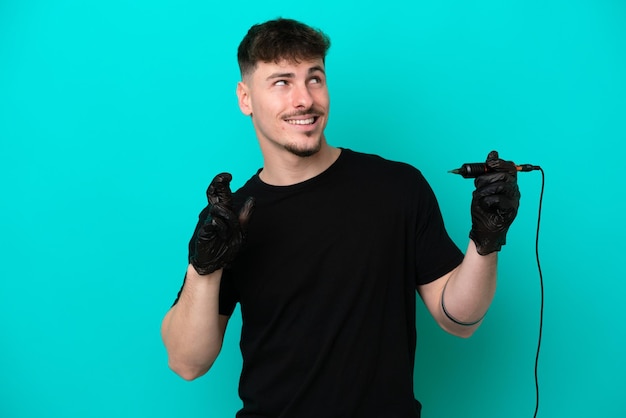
x,y
199,287
194,275
487,242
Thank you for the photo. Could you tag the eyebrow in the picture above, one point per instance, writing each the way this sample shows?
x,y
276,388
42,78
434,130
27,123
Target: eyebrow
x,y
311,70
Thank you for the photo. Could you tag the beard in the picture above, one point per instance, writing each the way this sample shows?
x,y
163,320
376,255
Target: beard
x,y
304,152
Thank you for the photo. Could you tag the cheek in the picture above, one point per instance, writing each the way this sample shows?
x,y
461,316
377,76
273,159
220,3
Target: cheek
x,y
321,97
266,104
266,117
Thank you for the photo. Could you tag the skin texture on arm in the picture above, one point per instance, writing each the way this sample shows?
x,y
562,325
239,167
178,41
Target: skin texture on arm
x,y
467,291
193,330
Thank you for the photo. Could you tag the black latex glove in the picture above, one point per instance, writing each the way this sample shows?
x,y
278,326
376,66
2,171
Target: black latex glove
x,y
219,239
494,204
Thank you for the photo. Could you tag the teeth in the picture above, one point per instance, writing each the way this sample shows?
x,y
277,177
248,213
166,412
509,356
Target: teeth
x,y
301,121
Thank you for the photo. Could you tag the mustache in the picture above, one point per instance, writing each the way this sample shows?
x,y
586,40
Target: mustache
x,y
312,111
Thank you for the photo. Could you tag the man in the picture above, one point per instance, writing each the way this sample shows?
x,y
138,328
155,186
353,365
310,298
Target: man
x,y
324,249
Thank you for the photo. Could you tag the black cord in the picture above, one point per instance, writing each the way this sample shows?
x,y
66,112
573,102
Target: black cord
x,y
542,294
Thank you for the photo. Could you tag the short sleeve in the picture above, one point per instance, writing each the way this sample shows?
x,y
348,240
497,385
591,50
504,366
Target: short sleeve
x,y
228,294
436,253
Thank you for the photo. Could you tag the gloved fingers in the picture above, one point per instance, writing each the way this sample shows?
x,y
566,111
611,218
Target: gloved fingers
x,y
494,205
223,212
204,216
500,189
219,190
246,212
223,219
495,163
492,225
221,228
492,156
207,234
498,203
213,235
494,177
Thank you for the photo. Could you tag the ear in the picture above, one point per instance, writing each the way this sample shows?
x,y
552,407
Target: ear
x,y
243,97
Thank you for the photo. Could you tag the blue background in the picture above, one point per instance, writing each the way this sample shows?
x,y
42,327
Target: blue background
x,y
115,115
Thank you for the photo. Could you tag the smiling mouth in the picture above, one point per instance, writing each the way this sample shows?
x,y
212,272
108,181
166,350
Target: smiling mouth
x,y
308,121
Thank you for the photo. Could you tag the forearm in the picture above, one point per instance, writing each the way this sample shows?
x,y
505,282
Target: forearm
x,y
468,293
192,330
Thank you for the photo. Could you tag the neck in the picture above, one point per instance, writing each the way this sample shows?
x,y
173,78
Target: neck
x,y
287,168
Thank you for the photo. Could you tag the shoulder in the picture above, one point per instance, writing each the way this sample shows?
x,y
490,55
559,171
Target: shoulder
x,y
374,167
375,160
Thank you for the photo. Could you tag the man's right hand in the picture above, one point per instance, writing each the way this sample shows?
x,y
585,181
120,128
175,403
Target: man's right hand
x,y
219,239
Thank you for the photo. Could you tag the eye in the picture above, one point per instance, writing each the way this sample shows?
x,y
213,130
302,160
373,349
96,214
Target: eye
x,y
315,80
280,83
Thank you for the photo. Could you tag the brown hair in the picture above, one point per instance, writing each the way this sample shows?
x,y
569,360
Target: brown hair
x,y
280,39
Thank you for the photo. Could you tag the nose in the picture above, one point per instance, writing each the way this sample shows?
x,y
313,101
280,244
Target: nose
x,y
301,96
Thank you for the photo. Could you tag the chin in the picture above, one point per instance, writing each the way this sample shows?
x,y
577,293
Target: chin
x,y
304,151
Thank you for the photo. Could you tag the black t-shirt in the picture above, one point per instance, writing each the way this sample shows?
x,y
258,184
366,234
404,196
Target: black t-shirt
x,y
327,287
